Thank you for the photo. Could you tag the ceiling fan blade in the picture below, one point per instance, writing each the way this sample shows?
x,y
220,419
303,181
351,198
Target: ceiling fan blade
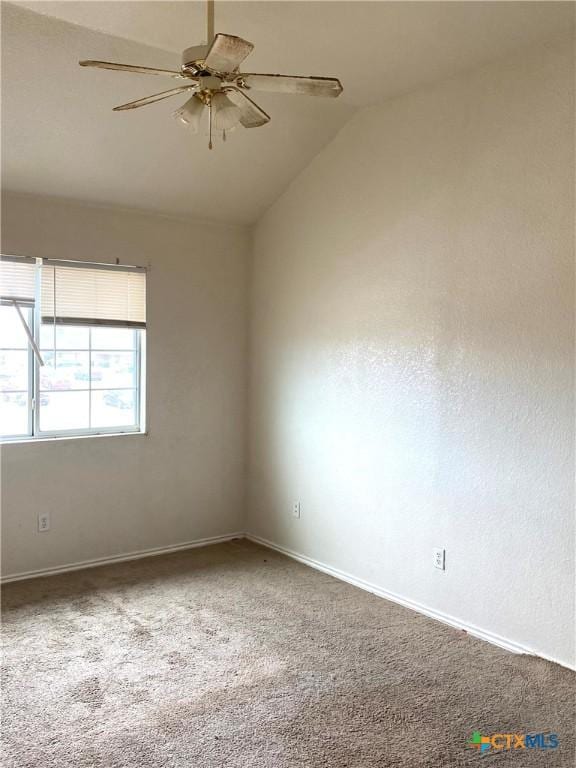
x,y
132,68
251,116
155,97
311,86
226,53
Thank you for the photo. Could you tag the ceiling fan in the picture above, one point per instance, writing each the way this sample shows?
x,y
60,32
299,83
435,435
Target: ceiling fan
x,y
210,73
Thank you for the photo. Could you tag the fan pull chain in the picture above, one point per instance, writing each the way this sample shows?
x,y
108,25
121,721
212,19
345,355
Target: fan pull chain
x,y
210,124
223,135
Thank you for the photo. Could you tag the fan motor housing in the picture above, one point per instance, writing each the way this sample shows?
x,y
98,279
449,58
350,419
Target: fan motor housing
x,y
193,59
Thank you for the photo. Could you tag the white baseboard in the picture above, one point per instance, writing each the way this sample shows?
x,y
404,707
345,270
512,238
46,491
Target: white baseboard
x,y
121,558
482,634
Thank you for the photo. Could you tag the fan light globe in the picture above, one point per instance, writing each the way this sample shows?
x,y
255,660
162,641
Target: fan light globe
x,y
226,113
190,113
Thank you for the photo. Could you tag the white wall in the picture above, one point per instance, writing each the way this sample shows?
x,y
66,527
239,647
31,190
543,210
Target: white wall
x,y
412,351
185,479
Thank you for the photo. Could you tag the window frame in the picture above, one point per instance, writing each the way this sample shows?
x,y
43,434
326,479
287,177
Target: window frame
x,y
34,319
29,435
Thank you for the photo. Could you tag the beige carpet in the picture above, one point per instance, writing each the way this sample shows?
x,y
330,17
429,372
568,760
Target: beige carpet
x,y
233,656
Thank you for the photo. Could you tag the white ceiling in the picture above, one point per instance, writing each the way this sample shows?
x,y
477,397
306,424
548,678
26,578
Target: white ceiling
x,y
61,138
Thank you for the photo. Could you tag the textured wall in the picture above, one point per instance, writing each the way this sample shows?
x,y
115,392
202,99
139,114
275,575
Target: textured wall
x,y
183,481
412,351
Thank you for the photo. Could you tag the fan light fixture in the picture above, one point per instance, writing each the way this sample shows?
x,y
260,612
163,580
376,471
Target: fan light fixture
x,y
210,72
226,113
190,113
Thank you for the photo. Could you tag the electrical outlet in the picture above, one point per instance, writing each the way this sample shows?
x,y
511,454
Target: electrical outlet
x,y
439,558
296,509
43,522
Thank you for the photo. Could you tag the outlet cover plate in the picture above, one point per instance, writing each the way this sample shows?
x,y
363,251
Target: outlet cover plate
x,y
43,522
439,558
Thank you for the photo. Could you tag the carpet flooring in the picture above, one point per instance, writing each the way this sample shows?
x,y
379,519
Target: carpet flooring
x,y
234,656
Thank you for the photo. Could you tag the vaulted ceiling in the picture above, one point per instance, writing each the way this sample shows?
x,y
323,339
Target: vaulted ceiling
x,y
60,137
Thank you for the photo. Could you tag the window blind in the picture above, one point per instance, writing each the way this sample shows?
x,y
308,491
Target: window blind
x,y
17,280
93,294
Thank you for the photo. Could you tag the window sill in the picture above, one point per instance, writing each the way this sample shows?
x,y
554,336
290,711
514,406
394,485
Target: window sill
x,y
67,438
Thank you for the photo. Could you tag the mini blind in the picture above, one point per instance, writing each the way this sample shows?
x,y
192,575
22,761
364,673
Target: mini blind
x,y
17,280
93,294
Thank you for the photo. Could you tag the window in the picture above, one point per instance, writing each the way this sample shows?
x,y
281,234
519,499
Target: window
x,y
72,348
